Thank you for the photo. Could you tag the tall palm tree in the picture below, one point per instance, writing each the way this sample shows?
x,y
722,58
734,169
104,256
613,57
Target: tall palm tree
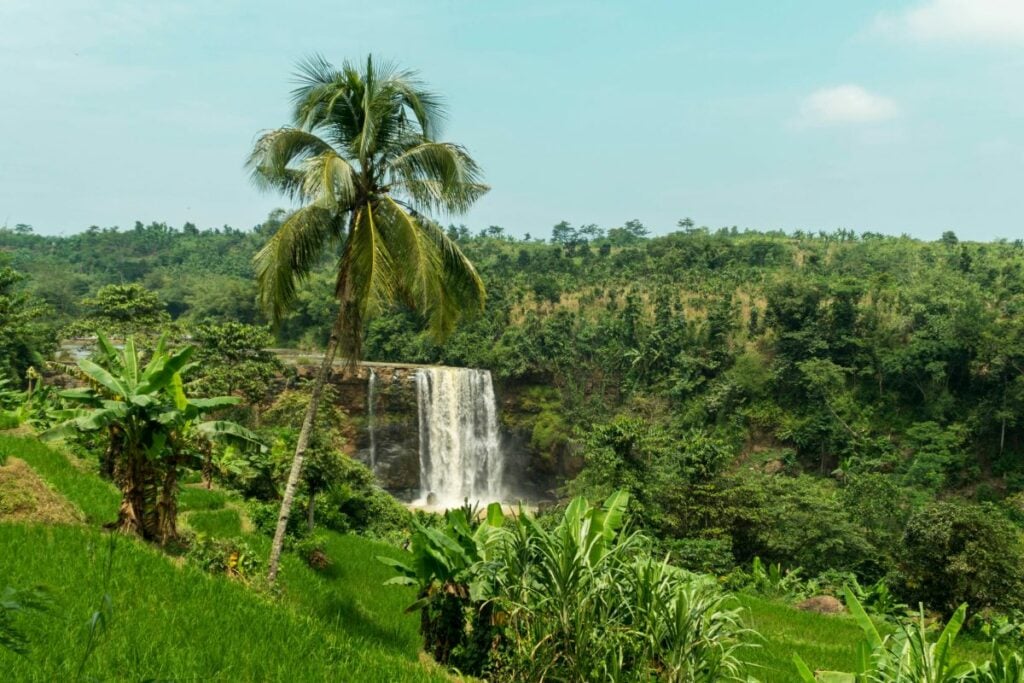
x,y
363,160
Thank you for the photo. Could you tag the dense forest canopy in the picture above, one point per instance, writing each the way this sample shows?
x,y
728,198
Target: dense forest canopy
x,y
688,367
844,348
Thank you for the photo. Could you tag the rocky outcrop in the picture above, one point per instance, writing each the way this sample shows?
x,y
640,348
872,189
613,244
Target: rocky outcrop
x,y
386,434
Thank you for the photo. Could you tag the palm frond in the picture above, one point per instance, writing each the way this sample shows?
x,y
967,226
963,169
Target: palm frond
x,y
277,158
369,265
330,180
363,153
438,176
289,256
463,289
418,281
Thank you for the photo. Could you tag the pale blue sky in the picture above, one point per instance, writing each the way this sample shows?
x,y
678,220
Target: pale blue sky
x,y
871,115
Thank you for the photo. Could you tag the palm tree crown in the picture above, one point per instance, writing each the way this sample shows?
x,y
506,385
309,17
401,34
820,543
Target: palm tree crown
x,y
363,161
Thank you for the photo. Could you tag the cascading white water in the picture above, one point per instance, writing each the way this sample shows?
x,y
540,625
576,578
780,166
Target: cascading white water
x,y
460,450
371,417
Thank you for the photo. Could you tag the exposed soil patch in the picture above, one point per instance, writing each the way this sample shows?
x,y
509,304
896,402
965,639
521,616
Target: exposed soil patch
x,y
25,497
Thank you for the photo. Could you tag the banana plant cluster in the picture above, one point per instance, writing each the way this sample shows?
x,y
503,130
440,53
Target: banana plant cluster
x,y
153,429
580,601
911,656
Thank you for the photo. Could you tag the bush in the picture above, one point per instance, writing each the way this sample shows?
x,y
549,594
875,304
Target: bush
x,y
797,522
231,557
264,519
954,552
512,601
704,555
313,551
356,504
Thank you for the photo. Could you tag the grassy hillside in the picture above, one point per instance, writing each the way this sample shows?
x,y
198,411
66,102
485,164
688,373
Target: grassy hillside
x,y
168,620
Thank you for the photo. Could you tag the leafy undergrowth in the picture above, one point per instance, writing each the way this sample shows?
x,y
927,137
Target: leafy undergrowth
x,y
822,641
175,622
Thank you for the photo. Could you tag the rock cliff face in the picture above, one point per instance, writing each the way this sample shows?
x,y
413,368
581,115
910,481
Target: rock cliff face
x,y
385,432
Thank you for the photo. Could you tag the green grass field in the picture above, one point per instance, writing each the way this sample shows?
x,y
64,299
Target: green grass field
x,y
169,620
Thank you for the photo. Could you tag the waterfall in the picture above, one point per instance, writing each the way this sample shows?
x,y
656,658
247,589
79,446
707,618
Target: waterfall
x,y
460,452
371,417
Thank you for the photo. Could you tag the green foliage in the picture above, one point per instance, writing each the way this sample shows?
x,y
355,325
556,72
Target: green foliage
x,y
367,174
954,552
575,592
650,462
798,521
8,420
938,454
769,580
150,426
120,311
263,517
579,601
354,502
1005,666
25,338
233,360
231,557
312,550
1002,627
909,656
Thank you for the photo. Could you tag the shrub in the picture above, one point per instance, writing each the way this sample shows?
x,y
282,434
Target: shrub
x,y
355,503
313,551
954,552
798,522
231,557
705,555
264,519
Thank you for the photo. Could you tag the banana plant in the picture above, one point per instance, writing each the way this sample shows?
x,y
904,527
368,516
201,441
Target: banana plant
x,y
151,428
1003,667
442,559
446,569
907,656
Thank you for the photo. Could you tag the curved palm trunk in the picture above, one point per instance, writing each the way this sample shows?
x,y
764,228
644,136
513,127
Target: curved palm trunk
x,y
305,433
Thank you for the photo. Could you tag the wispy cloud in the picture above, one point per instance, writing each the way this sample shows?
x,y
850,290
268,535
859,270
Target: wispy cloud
x,y
846,104
963,21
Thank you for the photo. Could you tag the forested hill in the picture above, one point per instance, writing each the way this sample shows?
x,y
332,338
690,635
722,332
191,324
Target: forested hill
x,y
830,351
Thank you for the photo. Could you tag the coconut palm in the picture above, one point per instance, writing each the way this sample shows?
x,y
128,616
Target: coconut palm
x,y
363,159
